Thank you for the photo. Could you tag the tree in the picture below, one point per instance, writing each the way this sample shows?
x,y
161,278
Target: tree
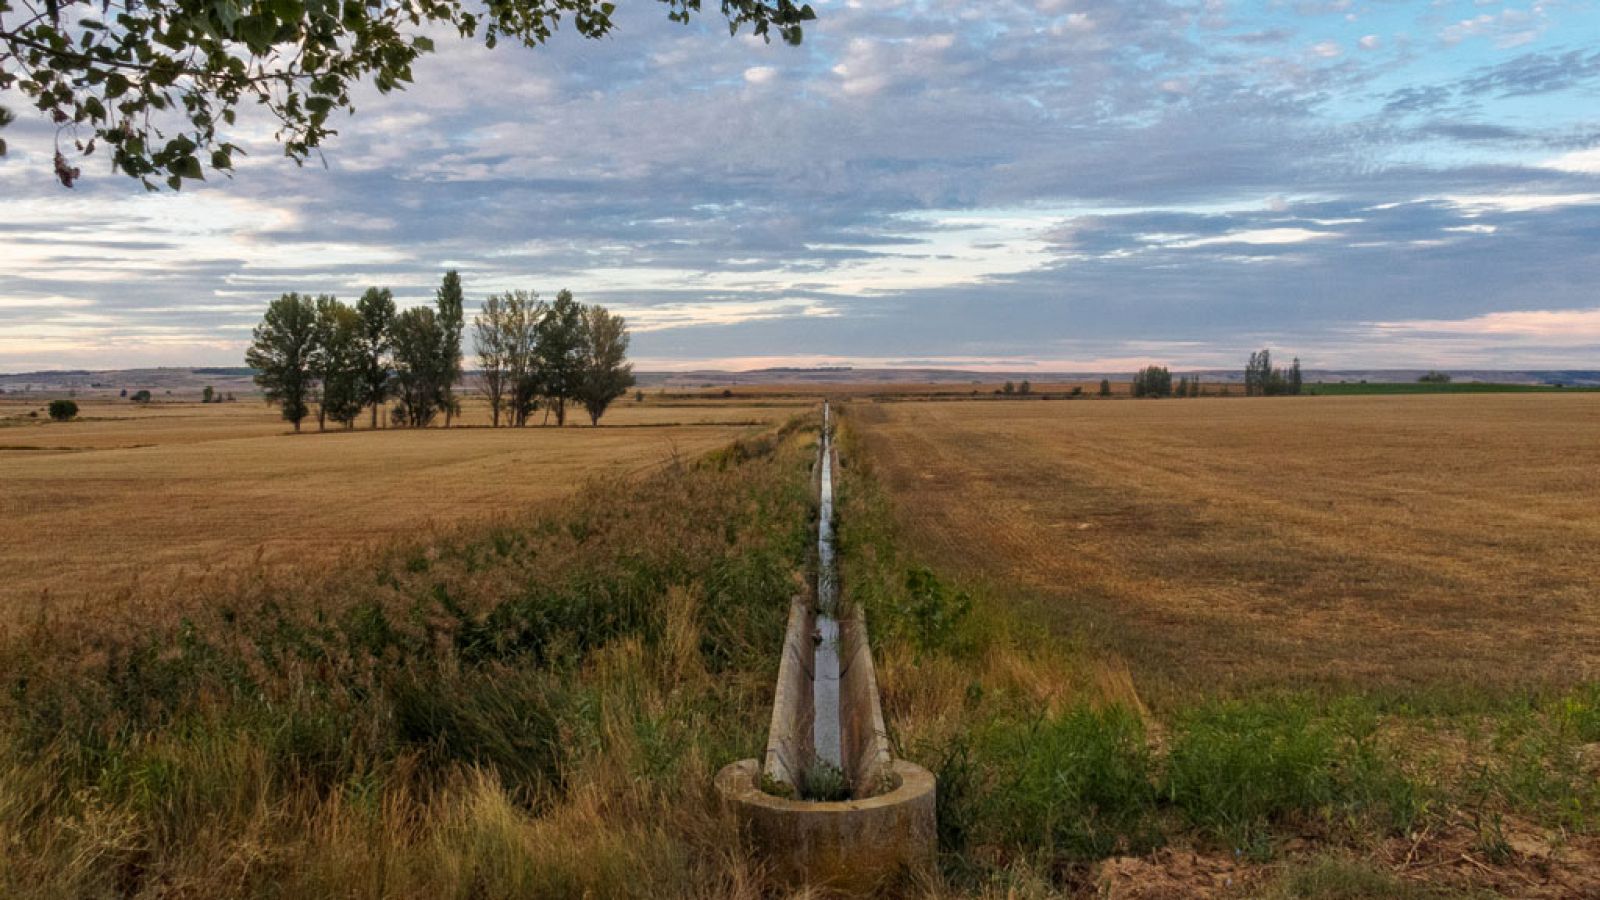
x,y
340,363
1183,386
208,395
320,362
524,314
1008,388
1105,387
1295,381
63,410
560,353
1194,386
1262,380
281,354
1152,381
140,396
1434,376
606,373
494,363
452,319
158,82
376,308
418,345
1026,387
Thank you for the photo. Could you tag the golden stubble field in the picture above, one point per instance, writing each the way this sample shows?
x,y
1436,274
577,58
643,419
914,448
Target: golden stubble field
x,y
1440,541
132,495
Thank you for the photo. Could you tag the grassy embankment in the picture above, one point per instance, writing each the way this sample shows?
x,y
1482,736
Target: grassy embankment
x,y
1049,762
532,709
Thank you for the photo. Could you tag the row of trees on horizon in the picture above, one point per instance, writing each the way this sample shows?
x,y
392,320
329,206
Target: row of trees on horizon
x,y
1261,379
318,351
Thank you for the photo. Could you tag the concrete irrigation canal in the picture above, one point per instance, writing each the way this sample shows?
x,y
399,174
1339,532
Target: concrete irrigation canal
x,y
829,805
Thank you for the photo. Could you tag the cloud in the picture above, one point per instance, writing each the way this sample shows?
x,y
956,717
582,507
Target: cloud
x,y
1550,327
1584,161
1095,180
1535,73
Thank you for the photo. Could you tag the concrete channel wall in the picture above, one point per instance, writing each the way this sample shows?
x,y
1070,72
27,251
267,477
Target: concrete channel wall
x,y
866,740
887,827
789,734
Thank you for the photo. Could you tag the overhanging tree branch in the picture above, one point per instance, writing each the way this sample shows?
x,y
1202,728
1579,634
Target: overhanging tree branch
x,y
158,81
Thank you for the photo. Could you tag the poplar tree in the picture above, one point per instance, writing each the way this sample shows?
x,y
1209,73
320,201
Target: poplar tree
x,y
281,354
418,347
560,353
524,314
342,363
452,320
494,364
606,373
322,363
376,308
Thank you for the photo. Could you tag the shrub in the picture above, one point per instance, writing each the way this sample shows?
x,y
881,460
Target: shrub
x,y
1434,376
932,613
140,396
63,410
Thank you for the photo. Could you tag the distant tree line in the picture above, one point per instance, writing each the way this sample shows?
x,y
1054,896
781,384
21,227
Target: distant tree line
x,y
316,351
1262,380
1152,381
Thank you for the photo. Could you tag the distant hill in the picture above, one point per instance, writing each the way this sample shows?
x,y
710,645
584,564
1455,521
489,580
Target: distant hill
x,y
182,381
845,375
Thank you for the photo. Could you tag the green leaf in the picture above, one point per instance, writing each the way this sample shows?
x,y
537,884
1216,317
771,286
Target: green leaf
x,y
188,167
422,44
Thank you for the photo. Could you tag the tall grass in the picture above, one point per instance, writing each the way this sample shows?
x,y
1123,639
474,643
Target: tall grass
x,y
532,709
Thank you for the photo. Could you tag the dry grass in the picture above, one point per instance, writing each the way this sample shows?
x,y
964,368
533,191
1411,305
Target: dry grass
x,y
1369,541
152,494
533,708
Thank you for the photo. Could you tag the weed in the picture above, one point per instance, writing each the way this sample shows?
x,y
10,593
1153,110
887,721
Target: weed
x,y
824,782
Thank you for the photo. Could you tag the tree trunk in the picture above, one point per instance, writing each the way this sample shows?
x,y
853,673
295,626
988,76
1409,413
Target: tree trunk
x,y
374,417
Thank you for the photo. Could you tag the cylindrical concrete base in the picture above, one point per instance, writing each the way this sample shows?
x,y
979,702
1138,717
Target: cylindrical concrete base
x,y
853,845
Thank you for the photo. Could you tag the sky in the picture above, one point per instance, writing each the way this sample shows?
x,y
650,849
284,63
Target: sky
x,y
1083,185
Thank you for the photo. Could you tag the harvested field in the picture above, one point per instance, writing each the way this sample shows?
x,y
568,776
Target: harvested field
x,y
155,492
1448,542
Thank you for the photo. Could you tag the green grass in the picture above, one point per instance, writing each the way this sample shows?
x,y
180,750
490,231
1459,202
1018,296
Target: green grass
x,y
1455,387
